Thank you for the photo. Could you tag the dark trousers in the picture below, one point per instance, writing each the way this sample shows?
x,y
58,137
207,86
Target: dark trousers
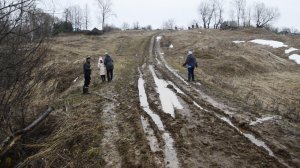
x,y
103,78
191,74
110,74
87,80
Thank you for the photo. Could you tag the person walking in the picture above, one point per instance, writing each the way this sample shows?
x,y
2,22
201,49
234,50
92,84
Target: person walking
x,y
109,64
102,69
87,70
190,63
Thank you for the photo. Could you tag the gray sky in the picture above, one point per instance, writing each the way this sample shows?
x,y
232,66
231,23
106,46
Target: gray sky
x,y
154,12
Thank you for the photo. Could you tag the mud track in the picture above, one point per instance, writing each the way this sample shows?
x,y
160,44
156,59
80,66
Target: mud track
x,y
200,133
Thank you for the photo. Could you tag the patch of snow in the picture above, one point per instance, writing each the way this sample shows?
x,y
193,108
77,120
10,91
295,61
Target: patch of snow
x,y
158,38
168,98
237,42
171,46
261,120
272,43
287,51
295,57
75,79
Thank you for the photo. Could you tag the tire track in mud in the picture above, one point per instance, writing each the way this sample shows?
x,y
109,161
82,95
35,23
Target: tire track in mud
x,y
111,134
211,116
170,155
218,109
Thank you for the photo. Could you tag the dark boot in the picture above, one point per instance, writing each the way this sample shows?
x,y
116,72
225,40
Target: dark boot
x,y
85,90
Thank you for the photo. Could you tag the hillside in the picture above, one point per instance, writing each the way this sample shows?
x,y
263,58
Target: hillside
x,y
150,116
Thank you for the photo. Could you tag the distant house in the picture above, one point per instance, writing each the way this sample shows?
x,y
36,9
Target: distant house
x,y
95,31
232,25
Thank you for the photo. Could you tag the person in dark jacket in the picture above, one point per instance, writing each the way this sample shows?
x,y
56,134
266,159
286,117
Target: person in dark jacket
x,y
190,63
109,64
87,70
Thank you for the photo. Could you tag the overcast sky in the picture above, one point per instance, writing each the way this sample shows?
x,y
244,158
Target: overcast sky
x,y
154,12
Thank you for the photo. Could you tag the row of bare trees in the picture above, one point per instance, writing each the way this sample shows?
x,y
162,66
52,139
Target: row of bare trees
x,y
77,16
212,11
80,18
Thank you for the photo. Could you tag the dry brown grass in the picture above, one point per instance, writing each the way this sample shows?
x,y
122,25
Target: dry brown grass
x,y
259,76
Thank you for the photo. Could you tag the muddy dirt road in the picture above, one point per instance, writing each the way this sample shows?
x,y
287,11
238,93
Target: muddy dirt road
x,y
189,127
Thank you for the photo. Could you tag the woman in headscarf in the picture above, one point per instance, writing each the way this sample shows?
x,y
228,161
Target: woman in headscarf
x,y
102,69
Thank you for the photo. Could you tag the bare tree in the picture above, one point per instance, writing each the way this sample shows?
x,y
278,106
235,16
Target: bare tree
x,y
20,58
105,7
248,17
218,13
204,11
148,27
67,15
136,25
125,26
169,24
78,18
207,11
264,15
86,16
239,7
74,15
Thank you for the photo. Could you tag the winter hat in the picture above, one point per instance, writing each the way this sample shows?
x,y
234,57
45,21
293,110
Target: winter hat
x,y
190,52
106,53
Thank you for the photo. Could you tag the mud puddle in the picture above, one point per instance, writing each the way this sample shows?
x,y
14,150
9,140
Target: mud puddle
x,y
145,105
167,97
170,154
153,142
251,137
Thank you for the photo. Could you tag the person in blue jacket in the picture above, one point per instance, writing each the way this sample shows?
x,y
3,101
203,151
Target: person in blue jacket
x,y
109,64
190,63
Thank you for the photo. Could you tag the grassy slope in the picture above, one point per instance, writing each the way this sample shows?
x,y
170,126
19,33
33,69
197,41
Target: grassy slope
x,y
257,76
77,124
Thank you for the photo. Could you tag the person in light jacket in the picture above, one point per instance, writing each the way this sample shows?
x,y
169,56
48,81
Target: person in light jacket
x,y
190,63
102,69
